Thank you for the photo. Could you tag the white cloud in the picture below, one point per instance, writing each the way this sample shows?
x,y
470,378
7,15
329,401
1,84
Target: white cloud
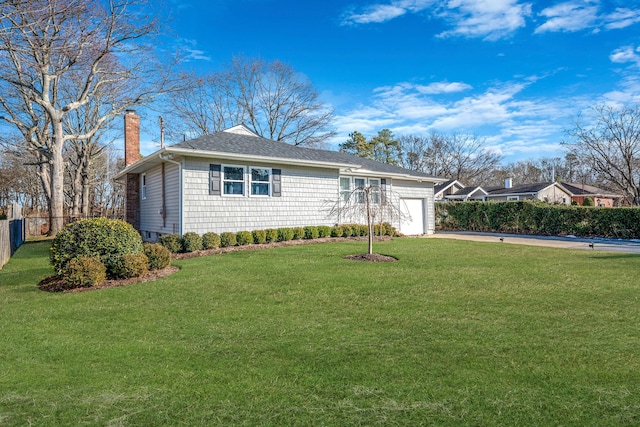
x,y
568,17
625,55
574,16
378,13
490,19
190,52
621,18
512,126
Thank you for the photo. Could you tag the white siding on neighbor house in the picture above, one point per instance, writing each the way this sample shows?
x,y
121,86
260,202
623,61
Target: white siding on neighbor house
x,y
305,193
554,195
152,223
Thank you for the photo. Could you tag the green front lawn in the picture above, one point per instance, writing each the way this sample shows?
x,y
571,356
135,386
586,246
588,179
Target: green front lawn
x,y
454,333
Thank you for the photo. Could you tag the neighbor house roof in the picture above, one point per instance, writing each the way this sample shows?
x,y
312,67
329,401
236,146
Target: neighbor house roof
x,y
446,185
238,143
522,189
578,189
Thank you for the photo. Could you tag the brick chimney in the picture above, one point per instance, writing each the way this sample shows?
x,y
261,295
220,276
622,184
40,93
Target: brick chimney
x,y
131,137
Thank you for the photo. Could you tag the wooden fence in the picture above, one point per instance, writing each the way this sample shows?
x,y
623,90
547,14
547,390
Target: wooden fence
x,y
12,235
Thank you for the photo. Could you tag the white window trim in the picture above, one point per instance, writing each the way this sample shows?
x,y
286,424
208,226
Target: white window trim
x,y
223,180
513,198
143,186
353,188
268,182
342,192
379,193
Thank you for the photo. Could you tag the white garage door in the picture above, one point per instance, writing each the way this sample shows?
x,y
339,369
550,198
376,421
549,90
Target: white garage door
x,y
413,216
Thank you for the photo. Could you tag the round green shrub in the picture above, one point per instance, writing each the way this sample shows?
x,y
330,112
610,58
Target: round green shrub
x,y
191,242
173,242
311,232
84,272
588,201
272,235
244,238
285,234
210,241
388,229
324,231
298,233
336,231
131,265
227,239
101,238
159,257
259,237
346,230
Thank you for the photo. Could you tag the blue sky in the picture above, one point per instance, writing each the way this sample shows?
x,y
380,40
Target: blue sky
x,y
514,72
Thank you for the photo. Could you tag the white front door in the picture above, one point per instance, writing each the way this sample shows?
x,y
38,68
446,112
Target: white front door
x,y
412,221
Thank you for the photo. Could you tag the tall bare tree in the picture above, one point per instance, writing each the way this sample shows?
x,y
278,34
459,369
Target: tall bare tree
x,y
610,144
272,99
49,45
456,156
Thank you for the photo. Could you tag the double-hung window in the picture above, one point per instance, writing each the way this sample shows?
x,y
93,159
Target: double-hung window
x,y
233,180
143,186
374,190
345,188
260,181
359,184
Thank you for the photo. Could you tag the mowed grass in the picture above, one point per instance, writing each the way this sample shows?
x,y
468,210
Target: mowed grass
x,y
454,333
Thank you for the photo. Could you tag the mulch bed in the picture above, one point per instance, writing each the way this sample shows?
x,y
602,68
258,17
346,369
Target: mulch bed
x,y
56,283
371,258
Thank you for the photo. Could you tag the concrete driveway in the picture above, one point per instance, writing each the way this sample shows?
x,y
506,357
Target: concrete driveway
x,y
566,242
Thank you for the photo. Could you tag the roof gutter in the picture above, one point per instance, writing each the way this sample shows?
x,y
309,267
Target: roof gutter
x,y
168,157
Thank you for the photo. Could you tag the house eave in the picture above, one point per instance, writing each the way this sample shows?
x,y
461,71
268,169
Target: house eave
x,y
347,168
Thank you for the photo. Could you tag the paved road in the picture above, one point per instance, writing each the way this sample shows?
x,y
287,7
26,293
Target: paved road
x,y
567,242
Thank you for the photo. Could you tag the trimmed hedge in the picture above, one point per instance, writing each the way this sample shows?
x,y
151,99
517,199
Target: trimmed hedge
x,y
272,235
191,242
298,233
259,237
324,231
244,238
533,217
285,234
311,232
101,238
228,239
173,242
210,241
131,265
159,257
84,272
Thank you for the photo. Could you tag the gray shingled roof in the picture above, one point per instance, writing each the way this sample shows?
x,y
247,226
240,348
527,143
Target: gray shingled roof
x,y
519,189
237,143
587,190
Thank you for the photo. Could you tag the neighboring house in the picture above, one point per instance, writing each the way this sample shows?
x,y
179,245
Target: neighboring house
x,y
454,190
447,188
466,194
549,192
599,196
235,180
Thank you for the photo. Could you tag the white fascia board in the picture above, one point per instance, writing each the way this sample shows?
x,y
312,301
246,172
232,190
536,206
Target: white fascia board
x,y
351,171
251,158
152,158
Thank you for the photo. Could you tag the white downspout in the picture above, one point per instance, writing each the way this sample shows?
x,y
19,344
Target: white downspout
x,y
169,158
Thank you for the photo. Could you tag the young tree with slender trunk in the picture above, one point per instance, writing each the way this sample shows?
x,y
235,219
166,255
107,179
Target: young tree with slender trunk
x,y
366,204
